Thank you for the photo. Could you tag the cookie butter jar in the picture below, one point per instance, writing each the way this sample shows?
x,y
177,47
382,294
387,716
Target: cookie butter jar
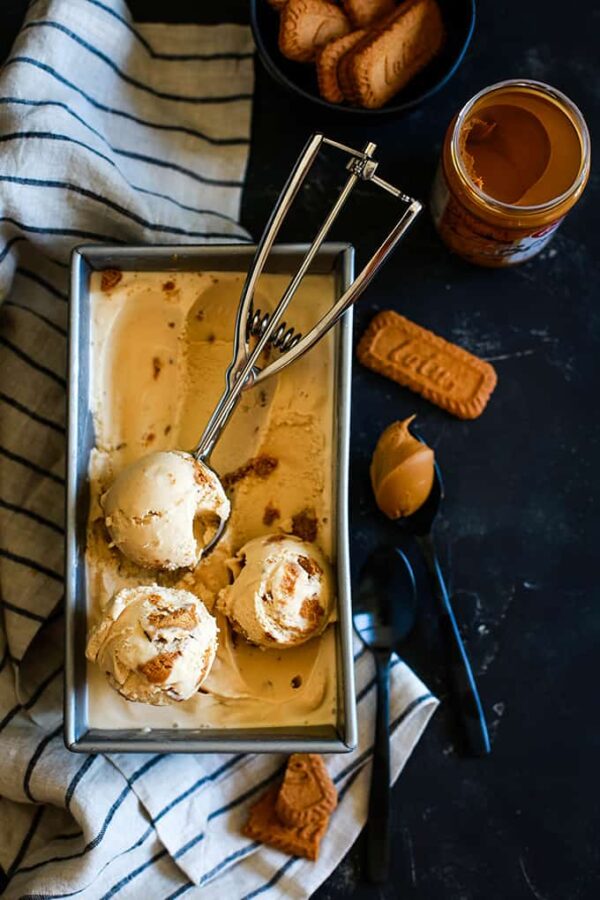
x,y
515,160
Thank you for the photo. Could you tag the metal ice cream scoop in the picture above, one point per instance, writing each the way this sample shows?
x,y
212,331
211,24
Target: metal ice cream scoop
x,y
269,328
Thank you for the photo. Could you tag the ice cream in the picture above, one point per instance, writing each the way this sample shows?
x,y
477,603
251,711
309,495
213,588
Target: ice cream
x,y
163,509
282,594
155,644
160,345
402,471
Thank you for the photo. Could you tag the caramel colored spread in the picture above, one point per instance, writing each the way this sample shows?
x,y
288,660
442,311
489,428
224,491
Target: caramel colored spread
x,y
401,471
520,149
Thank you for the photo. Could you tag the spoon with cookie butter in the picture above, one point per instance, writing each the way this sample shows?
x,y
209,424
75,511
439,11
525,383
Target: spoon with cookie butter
x,y
408,487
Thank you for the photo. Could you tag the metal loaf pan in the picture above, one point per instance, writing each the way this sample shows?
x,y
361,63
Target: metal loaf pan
x,y
338,738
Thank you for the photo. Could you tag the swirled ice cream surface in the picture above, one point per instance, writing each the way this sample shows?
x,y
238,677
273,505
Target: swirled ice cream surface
x,y
160,345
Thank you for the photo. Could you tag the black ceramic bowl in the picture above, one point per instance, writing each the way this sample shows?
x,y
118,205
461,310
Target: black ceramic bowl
x,y
301,79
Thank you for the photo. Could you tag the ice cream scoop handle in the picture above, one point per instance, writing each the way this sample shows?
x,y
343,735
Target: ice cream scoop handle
x,y
378,833
464,687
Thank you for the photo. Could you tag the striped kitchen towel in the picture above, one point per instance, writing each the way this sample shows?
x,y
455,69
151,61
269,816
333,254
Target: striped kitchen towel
x,y
111,131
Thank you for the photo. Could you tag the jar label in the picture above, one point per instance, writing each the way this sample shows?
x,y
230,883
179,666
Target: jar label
x,y
479,241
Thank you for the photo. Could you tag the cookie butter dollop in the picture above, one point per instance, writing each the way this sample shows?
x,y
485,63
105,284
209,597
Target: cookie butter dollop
x,y
282,594
401,471
163,509
155,644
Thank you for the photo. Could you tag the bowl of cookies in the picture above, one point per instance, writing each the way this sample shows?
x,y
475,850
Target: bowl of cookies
x,y
362,57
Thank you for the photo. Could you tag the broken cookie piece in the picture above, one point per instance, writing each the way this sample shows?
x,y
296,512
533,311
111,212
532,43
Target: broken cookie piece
x,y
110,279
282,595
154,644
307,794
392,53
294,817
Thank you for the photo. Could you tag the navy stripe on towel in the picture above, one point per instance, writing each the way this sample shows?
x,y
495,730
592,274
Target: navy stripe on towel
x,y
37,315
173,57
21,611
105,201
31,514
31,702
33,363
26,840
31,414
35,759
111,813
63,232
88,763
23,461
33,276
190,132
176,98
9,244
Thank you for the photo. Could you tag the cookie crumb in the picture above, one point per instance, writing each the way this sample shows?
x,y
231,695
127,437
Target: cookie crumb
x,y
305,525
270,515
110,279
310,566
260,466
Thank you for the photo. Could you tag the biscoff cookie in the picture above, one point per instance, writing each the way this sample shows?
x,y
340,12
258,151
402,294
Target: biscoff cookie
x,y
307,794
443,373
364,12
264,825
307,25
392,53
327,65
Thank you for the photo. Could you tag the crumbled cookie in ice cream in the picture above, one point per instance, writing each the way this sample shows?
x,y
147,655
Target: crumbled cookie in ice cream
x,y
154,644
282,593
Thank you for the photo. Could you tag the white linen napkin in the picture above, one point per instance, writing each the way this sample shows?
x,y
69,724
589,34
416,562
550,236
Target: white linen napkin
x,y
117,132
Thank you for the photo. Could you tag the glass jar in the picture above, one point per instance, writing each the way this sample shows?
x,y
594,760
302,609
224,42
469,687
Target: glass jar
x,y
503,230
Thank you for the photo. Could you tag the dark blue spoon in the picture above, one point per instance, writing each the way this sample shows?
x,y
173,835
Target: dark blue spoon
x,y
385,608
464,688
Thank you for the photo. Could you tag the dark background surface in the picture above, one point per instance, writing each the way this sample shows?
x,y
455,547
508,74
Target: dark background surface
x,y
519,529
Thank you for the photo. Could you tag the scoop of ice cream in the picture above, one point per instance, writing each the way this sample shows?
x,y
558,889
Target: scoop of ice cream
x,y
401,471
163,509
155,644
282,595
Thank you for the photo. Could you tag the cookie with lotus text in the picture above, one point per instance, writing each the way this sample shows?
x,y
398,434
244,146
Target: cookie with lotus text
x,y
443,373
392,53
